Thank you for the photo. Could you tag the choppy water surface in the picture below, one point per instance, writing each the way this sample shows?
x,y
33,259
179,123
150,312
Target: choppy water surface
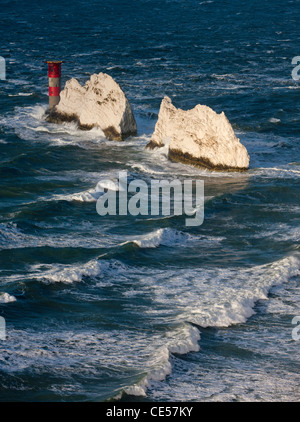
x,y
99,306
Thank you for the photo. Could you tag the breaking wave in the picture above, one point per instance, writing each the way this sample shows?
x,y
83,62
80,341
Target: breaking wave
x,y
170,237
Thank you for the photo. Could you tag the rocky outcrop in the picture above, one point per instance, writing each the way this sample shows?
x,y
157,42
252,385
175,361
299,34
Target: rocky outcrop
x,y
200,137
99,103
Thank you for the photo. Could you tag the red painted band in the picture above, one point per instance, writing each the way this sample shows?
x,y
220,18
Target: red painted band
x,y
54,74
54,70
54,91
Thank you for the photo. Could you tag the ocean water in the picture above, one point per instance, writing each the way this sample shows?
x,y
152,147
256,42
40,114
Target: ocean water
x,y
143,308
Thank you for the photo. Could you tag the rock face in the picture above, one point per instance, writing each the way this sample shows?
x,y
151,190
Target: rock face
x,y
200,137
99,103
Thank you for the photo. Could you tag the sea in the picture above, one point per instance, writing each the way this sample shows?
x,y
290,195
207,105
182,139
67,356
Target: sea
x,y
145,308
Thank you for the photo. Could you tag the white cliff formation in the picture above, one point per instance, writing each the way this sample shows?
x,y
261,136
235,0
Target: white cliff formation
x,y
99,103
200,137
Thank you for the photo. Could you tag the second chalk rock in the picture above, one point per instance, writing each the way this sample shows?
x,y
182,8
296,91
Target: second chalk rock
x,y
199,137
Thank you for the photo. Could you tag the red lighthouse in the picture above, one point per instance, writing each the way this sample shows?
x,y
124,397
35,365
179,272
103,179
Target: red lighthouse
x,y
54,73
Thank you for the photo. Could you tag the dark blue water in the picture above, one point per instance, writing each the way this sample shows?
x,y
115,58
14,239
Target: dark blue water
x,y
101,307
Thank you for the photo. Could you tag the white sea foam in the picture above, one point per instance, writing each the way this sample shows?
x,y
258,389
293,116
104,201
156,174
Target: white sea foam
x,y
156,162
151,354
6,298
213,298
165,237
90,351
21,94
68,273
235,292
207,297
217,297
277,172
170,237
30,122
187,340
90,195
59,273
181,340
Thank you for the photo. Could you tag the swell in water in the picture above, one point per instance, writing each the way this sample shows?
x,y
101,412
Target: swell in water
x,y
192,299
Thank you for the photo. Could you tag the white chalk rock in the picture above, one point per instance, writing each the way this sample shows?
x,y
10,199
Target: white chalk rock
x,y
200,137
99,103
